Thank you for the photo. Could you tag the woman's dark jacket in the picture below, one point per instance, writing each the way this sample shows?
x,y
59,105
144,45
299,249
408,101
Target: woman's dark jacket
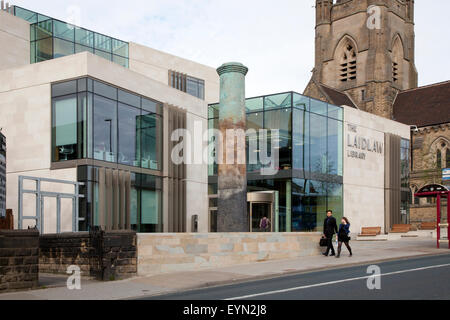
x,y
344,232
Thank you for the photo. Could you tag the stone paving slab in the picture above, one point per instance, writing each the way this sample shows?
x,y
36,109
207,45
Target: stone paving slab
x,y
364,253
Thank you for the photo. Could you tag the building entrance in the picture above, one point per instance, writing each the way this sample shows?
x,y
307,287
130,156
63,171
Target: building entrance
x,y
260,206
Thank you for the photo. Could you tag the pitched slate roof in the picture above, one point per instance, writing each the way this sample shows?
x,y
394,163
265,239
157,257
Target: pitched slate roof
x,y
424,106
337,97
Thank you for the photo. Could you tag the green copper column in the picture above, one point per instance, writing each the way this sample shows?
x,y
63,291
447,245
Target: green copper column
x,y
232,203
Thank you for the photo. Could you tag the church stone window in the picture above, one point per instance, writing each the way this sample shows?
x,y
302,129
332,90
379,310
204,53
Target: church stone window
x,y
447,162
397,59
439,159
348,65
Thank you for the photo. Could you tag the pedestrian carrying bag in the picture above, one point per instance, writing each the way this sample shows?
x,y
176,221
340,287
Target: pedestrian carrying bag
x,y
323,242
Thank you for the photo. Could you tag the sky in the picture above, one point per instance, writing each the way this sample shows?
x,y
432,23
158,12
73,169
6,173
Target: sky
x,y
274,38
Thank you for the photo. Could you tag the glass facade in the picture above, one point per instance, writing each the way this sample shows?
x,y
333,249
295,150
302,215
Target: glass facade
x,y
406,195
51,39
311,157
94,120
145,200
193,86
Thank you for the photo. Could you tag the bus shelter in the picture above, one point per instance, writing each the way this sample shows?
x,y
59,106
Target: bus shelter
x,y
440,192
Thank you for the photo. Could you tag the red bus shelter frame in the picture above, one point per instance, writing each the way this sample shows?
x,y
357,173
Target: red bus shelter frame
x,y
439,195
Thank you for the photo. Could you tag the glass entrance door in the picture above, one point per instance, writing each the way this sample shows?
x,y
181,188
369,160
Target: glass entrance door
x,y
259,211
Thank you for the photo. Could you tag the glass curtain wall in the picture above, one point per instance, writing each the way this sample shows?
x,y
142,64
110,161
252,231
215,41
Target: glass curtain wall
x,y
311,149
52,38
406,194
93,120
145,201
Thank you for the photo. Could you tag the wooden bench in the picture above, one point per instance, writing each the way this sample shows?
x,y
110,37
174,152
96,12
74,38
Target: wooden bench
x,y
401,228
428,226
370,232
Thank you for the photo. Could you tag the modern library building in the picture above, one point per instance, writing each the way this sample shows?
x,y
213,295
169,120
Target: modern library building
x,y
85,111
330,158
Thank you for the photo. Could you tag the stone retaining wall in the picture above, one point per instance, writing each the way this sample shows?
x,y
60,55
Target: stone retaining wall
x,y
19,259
109,255
164,253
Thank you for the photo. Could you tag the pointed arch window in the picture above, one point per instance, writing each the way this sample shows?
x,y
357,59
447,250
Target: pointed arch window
x,y
439,159
447,160
348,65
397,59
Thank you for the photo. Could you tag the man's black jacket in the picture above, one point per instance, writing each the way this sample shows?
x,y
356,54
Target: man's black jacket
x,y
330,226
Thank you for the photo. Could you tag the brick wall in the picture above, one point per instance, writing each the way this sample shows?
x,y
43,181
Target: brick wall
x,y
19,260
103,255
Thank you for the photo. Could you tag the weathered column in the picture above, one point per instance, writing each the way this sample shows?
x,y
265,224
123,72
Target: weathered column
x,y
232,180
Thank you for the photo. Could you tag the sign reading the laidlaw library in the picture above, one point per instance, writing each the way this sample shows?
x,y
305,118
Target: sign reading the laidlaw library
x,y
359,146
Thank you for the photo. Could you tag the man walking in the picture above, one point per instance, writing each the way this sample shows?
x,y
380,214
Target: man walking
x,y
329,229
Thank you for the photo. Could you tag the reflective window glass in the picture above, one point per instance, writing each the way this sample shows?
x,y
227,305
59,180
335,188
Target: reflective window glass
x,y
150,126
129,135
44,50
129,98
79,48
62,48
102,42
105,129
151,219
64,88
85,125
33,52
63,30
151,106
335,200
105,90
64,133
317,193
301,102
300,136
280,119
318,140
120,61
25,14
278,101
120,48
255,104
213,111
319,107
335,112
255,121
84,37
104,55
44,30
335,147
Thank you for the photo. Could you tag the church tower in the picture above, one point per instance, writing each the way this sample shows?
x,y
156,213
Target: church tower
x,y
364,49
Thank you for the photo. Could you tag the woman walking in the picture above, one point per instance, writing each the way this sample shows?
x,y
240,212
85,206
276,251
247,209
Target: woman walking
x,y
343,237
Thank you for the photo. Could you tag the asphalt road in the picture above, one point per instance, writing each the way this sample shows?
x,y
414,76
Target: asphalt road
x,y
426,278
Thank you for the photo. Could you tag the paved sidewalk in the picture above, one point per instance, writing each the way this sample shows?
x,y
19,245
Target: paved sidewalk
x,y
364,252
